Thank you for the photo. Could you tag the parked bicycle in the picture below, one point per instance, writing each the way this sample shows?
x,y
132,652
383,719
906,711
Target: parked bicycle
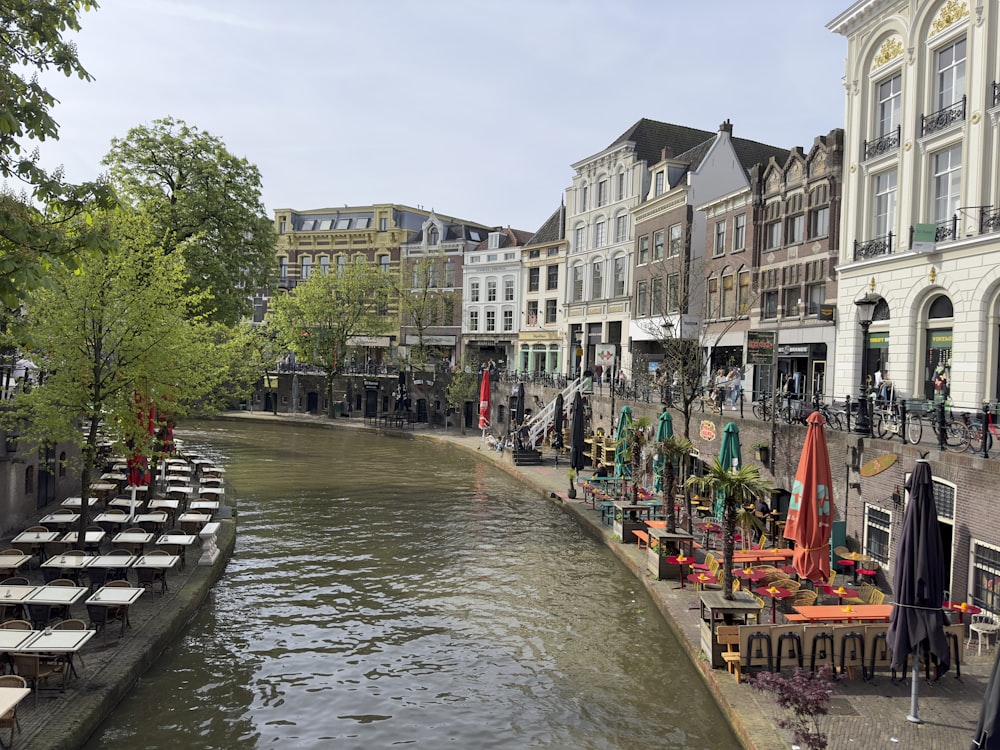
x,y
956,435
834,417
976,432
888,421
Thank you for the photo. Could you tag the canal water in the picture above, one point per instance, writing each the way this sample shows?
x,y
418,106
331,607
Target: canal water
x,y
392,592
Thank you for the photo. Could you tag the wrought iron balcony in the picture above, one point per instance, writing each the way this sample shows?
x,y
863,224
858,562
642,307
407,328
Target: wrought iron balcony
x,y
989,219
942,118
996,93
883,145
873,248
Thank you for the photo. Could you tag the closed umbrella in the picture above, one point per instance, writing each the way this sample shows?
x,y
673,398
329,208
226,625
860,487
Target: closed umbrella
x,y
557,424
664,431
918,583
402,397
576,448
810,510
730,456
623,467
484,402
987,737
518,418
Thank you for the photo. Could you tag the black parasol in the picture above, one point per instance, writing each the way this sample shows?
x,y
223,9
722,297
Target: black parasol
x,y
918,583
576,447
402,397
518,416
987,737
557,423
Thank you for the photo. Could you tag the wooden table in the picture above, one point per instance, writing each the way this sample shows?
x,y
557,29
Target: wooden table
x,y
763,555
838,613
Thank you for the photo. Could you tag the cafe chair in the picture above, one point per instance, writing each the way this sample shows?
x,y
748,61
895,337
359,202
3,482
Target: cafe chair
x,y
12,552
877,649
149,577
984,626
864,594
122,584
72,624
97,577
9,719
113,518
92,547
16,625
35,670
40,615
818,642
101,616
115,574
15,581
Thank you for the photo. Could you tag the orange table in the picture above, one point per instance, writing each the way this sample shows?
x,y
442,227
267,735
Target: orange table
x,y
963,608
837,613
774,593
762,555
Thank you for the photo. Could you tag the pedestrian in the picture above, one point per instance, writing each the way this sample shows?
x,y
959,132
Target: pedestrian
x,y
721,380
735,384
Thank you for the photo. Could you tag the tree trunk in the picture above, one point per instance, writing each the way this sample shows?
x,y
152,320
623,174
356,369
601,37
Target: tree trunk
x,y
668,496
729,544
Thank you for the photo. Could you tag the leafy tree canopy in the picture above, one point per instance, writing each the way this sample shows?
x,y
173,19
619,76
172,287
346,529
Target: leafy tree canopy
x,y
32,238
206,202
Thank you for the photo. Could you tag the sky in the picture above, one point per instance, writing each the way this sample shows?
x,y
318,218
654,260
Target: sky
x,y
475,108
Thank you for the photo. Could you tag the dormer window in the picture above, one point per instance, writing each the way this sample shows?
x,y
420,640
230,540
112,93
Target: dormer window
x,y
495,240
433,236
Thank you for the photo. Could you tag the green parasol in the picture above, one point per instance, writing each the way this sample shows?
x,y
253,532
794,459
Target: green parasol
x,y
729,452
623,467
664,431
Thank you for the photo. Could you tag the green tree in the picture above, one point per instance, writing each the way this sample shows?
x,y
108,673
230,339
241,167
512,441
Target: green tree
x,y
318,318
675,449
113,338
206,202
33,242
739,487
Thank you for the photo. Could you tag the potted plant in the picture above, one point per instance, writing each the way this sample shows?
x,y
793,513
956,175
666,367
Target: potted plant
x,y
572,486
762,452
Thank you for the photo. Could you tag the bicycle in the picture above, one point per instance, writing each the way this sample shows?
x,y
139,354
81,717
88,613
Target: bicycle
x,y
832,416
976,433
956,435
762,408
888,421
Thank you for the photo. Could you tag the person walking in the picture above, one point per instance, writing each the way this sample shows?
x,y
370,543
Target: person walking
x,y
721,386
735,385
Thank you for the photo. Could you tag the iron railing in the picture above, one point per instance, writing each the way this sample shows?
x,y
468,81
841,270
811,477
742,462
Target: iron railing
x,y
941,119
989,219
873,248
882,145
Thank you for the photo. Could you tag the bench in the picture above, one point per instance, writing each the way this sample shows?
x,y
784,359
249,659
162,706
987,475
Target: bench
x,y
642,537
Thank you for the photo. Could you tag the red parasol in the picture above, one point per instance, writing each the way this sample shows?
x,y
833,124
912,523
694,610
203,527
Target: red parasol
x,y
810,510
484,400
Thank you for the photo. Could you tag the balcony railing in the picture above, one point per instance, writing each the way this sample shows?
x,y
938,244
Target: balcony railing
x,y
989,219
883,145
942,118
873,248
996,93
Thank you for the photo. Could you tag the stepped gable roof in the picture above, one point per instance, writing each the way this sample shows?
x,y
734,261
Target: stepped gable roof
x,y
651,137
553,230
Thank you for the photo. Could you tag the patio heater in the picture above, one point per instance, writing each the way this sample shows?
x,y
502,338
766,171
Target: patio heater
x,y
866,308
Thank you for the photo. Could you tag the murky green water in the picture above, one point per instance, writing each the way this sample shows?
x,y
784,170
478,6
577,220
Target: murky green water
x,y
387,592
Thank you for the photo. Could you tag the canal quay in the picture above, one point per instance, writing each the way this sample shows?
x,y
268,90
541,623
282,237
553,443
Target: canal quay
x,y
869,715
862,714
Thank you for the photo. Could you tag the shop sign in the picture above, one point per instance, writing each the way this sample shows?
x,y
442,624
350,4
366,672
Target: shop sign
x,y
760,347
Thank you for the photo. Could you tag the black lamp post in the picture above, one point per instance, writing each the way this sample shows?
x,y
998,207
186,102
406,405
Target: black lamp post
x,y
666,386
866,308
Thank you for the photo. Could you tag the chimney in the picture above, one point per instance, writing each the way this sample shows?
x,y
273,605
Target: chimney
x,y
666,153
726,127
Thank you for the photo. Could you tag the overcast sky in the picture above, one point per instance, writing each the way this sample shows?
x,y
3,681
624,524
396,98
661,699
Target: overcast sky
x,y
476,108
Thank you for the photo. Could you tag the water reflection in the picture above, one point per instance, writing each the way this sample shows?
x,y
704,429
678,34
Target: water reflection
x,y
410,595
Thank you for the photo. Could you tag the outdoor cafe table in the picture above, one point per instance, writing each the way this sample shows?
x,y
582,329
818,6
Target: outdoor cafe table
x,y
180,541
126,502
55,595
158,562
837,613
112,561
67,562
35,537
627,519
700,580
101,489
12,640
191,520
208,492
680,561
774,593
9,563
963,608
112,518
196,505
89,537
59,518
763,555
164,504
11,696
749,574
840,592
133,537
75,502
207,482
212,471
115,596
177,479
179,491
14,595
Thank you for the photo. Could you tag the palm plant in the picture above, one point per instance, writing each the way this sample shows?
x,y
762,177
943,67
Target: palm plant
x,y
636,442
673,450
737,487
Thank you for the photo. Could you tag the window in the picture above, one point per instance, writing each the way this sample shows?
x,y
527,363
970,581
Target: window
x,y
491,291
602,193
739,232
324,265
362,223
888,105
325,224
432,276
551,278
494,240
815,297
533,275
878,522
597,279
342,224
769,305
728,296
491,257
658,190
947,182
743,294
618,279
532,313
583,198
550,310
383,263
644,250
578,240
282,226
508,320
308,224
473,320
658,245
532,254
793,298
508,290
641,299
656,298
473,291
449,273
796,225
712,299
491,321
950,74
673,292
985,576
600,234
772,235
577,283
433,236
283,268
621,228
383,224
884,207
819,222
676,240
341,264
620,193
552,252
720,238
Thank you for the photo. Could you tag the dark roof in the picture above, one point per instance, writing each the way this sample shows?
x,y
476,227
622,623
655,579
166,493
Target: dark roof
x,y
510,238
748,152
651,137
553,230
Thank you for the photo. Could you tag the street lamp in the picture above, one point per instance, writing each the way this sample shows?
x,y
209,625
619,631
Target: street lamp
x,y
866,308
666,387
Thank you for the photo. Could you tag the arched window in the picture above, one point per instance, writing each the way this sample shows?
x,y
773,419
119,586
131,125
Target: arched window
x,y
881,311
433,236
937,347
940,308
